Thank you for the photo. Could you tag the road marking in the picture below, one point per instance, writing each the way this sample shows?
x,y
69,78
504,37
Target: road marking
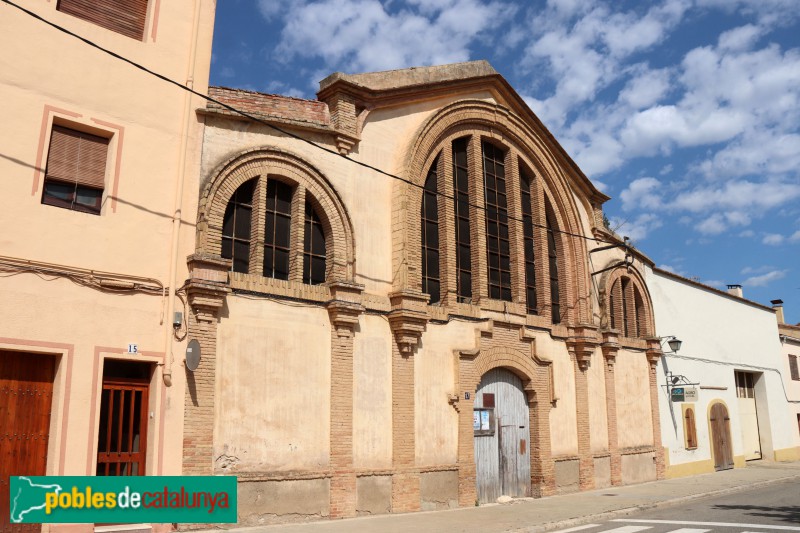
x,y
689,530
577,528
628,529
711,524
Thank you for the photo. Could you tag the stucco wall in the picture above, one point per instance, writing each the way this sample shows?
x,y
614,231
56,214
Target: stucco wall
x,y
598,413
434,376
563,417
634,418
273,387
372,394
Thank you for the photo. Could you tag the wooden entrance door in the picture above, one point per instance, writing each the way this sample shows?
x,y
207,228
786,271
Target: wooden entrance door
x,y
502,455
122,436
721,437
26,397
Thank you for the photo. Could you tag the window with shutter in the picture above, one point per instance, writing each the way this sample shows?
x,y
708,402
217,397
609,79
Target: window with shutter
x,y
793,368
122,16
76,170
690,428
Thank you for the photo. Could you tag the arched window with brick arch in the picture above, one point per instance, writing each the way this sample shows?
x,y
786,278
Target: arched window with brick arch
x,y
492,227
627,303
276,217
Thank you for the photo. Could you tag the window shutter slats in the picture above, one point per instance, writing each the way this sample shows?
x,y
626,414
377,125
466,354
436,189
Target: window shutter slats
x,y
77,157
793,367
122,16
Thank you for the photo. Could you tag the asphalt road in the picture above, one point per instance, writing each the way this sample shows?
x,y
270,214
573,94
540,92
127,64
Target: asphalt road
x,y
771,509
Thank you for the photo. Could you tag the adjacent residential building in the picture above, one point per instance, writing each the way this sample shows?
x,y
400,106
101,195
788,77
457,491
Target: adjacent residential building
x,y
99,164
725,395
423,324
789,336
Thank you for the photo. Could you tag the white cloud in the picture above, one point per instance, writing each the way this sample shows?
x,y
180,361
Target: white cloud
x,y
747,233
641,194
741,38
713,225
269,9
795,236
364,35
638,228
764,279
773,239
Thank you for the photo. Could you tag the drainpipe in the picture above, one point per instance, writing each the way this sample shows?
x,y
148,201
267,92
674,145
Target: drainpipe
x,y
177,212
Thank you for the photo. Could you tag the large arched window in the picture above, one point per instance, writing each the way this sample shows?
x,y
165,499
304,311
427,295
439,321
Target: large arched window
x,y
489,183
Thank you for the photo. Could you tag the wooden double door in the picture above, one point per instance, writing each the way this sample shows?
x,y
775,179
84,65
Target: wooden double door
x,y
26,398
502,452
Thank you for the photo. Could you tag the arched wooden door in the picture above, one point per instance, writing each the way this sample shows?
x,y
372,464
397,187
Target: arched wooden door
x,y
502,437
721,437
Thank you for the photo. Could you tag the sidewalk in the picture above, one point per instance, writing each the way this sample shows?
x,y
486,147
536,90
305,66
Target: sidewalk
x,y
556,512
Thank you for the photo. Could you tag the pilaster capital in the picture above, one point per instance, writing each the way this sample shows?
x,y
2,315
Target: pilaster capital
x,y
654,351
345,306
408,318
582,341
610,346
207,285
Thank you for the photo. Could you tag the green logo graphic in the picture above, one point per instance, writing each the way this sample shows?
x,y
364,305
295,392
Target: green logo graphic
x,y
122,499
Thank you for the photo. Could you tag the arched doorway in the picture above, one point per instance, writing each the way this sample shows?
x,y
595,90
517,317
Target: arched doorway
x,y
721,437
501,424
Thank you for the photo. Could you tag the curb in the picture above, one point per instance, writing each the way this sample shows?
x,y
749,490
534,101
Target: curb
x,y
608,515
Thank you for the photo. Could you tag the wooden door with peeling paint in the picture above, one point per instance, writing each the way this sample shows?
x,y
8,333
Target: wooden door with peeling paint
x,y
502,455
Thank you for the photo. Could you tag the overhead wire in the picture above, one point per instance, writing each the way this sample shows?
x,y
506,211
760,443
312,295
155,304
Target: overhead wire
x,y
282,130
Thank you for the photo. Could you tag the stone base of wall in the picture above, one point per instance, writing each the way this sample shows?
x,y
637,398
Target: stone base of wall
x,y
438,490
638,468
567,474
602,472
273,502
373,495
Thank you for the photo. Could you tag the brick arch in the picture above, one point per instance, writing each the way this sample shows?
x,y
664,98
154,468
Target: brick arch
x,y
289,168
607,281
514,360
503,127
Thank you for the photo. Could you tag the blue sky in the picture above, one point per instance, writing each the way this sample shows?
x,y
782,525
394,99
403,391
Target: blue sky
x,y
685,112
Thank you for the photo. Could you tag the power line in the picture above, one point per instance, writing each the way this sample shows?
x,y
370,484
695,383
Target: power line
x,y
277,128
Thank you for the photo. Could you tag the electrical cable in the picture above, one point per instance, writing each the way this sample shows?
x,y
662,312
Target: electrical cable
x,y
737,365
277,128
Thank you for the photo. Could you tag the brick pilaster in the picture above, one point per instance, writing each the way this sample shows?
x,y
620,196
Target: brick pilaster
x,y
344,309
653,357
581,345
543,476
610,348
205,292
408,320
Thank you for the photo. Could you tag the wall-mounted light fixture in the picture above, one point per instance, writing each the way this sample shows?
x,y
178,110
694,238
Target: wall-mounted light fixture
x,y
673,342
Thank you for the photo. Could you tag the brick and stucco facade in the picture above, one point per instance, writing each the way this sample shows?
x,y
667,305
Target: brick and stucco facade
x,y
356,396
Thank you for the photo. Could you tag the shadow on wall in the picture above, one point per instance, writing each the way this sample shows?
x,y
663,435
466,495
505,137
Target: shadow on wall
x,y
789,514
